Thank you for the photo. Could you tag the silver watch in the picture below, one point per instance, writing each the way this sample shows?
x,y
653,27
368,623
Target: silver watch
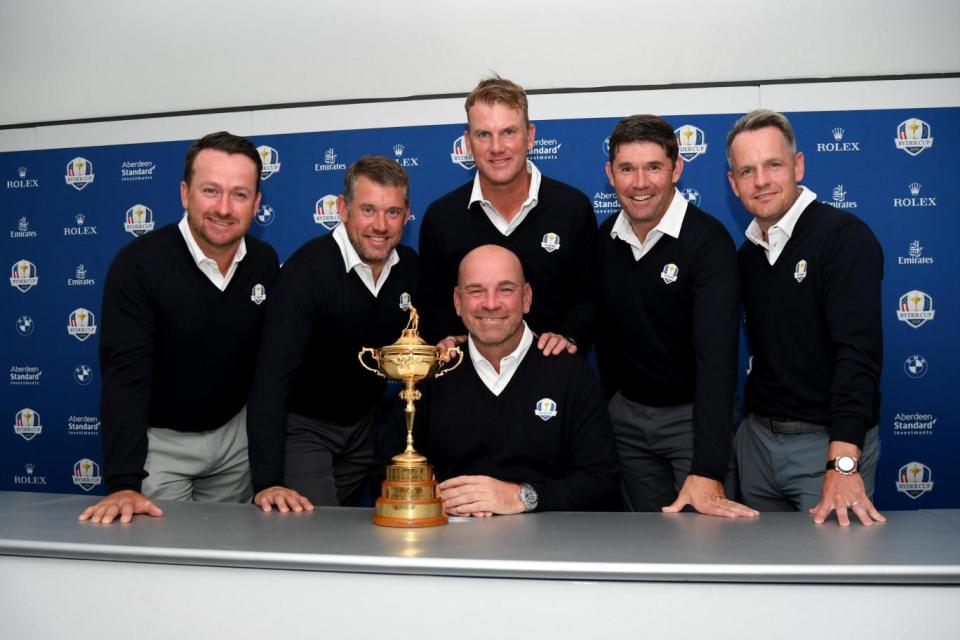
x,y
528,496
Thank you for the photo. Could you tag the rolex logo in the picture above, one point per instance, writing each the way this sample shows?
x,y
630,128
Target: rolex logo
x,y
22,172
80,218
398,150
915,188
838,134
28,468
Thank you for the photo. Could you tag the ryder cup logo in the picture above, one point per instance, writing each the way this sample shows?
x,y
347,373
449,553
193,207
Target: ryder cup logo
x,y
460,155
265,215
915,479
79,173
270,160
258,294
405,301
913,136
23,276
692,141
82,374
326,213
81,324
26,424
25,325
669,273
546,409
691,195
138,220
800,271
86,474
550,242
915,366
916,307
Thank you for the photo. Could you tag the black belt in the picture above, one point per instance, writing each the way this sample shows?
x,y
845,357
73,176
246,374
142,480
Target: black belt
x,y
788,425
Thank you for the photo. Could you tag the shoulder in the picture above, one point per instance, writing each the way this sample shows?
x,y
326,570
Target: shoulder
x,y
260,249
456,199
555,190
150,247
606,227
407,255
316,252
838,226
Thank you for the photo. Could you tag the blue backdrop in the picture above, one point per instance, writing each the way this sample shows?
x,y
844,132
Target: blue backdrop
x,y
66,212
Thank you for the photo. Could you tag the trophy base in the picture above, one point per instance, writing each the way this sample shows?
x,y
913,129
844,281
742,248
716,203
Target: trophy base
x,y
409,496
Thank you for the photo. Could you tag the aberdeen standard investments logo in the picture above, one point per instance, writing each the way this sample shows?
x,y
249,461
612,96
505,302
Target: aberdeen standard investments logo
x,y
79,173
914,424
914,136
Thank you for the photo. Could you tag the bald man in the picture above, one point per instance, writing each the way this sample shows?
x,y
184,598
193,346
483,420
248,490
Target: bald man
x,y
513,430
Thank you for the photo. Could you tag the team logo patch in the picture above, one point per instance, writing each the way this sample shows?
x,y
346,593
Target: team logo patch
x,y
83,374
915,366
258,294
800,271
138,220
405,301
81,324
326,213
270,160
550,242
27,424
916,307
79,173
692,142
461,156
669,273
25,325
546,409
265,215
23,275
915,479
86,474
913,136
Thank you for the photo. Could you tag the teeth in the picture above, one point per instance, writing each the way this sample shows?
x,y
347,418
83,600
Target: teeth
x,y
641,198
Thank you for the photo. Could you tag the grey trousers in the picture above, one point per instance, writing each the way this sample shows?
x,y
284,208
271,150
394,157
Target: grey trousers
x,y
784,471
656,452
206,466
327,462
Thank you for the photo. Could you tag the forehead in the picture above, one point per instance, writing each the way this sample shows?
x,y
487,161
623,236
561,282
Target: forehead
x,y
371,192
230,168
640,152
765,142
486,269
489,116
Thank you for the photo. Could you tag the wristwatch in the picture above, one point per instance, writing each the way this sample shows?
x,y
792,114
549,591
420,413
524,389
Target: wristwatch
x,y
844,465
528,496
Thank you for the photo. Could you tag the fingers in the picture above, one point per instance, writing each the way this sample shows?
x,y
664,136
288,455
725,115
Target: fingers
x,y
551,344
123,504
676,506
285,500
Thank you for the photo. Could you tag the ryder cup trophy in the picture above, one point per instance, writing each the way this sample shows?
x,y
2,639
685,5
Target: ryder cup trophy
x,y
409,497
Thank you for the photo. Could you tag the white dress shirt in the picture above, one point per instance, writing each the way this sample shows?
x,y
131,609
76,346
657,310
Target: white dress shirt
x,y
669,225
504,227
495,381
778,234
352,261
209,266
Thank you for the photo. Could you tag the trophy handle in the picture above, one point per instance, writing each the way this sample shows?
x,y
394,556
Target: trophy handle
x,y
450,352
372,352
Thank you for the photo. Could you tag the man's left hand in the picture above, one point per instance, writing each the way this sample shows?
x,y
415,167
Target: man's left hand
x,y
553,343
479,496
706,496
840,493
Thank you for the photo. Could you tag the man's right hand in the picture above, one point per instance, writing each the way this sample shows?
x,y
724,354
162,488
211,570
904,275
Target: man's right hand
x,y
283,499
448,343
124,503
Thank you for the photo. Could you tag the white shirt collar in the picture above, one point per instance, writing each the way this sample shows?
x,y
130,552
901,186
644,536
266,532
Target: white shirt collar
x,y
493,380
495,217
787,222
207,265
669,225
352,261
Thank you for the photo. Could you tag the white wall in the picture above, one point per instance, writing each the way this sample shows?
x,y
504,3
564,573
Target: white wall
x,y
67,59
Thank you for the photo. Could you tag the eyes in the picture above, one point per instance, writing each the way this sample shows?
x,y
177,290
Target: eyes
x,y
627,169
237,195
393,213
772,165
509,133
504,290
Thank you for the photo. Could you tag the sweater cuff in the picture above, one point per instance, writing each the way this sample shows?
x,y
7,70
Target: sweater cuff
x,y
130,482
849,429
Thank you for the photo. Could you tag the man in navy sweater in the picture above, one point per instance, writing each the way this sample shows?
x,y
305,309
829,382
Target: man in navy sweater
x,y
513,429
548,224
811,294
182,312
667,330
313,408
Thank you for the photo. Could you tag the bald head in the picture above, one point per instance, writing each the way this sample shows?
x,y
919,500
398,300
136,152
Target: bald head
x,y
487,257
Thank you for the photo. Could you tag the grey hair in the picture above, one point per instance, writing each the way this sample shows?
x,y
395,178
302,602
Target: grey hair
x,y
759,119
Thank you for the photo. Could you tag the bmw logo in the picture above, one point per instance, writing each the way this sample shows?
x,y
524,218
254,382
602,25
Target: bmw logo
x,y
83,374
915,366
265,215
25,325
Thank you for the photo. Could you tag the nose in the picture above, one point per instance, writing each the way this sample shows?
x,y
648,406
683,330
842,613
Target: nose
x,y
490,299
760,177
496,143
380,221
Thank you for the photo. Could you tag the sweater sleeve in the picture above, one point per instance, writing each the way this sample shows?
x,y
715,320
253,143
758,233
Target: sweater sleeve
x,y
853,269
436,283
715,330
580,315
591,479
128,329
292,314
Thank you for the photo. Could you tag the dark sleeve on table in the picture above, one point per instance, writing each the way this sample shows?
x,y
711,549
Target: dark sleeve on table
x,y
852,271
292,314
715,333
127,337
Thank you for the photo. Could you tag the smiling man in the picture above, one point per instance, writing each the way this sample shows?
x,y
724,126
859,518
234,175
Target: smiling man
x,y
667,330
513,429
182,315
313,408
548,224
811,296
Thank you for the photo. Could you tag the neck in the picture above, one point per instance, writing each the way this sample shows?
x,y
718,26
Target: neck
x,y
222,255
495,353
507,198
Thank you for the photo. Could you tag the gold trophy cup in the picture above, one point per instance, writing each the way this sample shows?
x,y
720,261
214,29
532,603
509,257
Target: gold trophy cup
x,y
409,496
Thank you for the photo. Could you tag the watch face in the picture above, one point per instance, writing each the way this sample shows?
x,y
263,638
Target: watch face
x,y
846,464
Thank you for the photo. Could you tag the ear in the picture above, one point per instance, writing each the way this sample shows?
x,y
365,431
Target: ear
x,y
609,169
531,136
342,208
457,304
677,170
798,167
733,183
527,297
256,202
184,190
466,140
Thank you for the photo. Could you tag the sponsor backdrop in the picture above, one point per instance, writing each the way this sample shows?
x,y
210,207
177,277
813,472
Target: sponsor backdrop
x,y
66,212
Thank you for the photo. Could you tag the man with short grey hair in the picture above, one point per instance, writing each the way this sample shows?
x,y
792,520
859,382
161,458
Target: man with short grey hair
x,y
810,285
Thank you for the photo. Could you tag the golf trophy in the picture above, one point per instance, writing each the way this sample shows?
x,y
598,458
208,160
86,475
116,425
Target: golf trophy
x,y
409,497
